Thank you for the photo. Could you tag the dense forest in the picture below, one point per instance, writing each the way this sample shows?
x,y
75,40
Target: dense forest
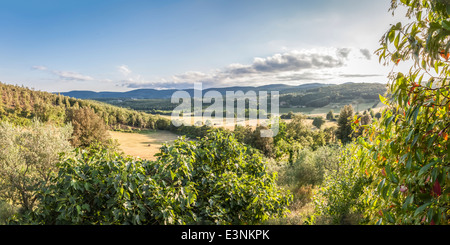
x,y
20,104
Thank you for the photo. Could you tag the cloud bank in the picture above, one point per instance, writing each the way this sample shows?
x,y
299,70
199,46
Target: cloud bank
x,y
294,65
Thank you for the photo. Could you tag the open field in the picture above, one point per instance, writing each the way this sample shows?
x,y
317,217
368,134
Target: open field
x,y
143,145
196,120
336,107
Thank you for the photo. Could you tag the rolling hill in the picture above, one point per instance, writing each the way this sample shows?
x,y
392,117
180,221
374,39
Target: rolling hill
x,y
167,93
306,98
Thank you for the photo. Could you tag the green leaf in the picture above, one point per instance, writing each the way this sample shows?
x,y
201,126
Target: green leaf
x,y
408,163
383,99
408,201
421,208
416,113
425,168
446,25
397,38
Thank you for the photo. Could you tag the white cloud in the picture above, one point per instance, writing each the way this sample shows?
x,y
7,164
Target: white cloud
x,y
124,70
41,68
293,66
72,76
65,75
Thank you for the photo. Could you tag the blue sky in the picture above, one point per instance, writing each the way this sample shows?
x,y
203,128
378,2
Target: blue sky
x,y
119,45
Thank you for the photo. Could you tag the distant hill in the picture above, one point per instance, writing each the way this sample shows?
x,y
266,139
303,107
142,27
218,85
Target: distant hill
x,y
167,93
313,95
342,93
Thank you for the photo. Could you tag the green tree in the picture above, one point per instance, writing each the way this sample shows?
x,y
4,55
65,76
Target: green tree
x,y
344,131
318,122
162,123
2,105
297,130
265,144
330,115
405,152
28,156
88,127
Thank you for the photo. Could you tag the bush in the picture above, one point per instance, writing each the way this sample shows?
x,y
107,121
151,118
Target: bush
x,y
318,122
6,211
28,155
340,199
162,124
215,180
308,171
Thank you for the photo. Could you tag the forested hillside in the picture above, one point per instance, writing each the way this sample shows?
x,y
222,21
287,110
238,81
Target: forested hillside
x,y
167,93
20,104
307,95
343,94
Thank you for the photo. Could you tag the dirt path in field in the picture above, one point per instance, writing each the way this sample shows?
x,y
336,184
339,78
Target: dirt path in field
x,y
143,145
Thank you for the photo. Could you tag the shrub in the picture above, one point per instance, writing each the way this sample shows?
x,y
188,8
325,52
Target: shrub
x,y
6,211
28,156
308,171
162,123
215,180
318,122
341,200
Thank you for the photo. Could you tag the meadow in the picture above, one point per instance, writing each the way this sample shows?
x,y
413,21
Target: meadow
x,y
144,144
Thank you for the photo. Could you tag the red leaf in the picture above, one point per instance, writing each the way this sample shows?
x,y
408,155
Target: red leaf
x,y
437,188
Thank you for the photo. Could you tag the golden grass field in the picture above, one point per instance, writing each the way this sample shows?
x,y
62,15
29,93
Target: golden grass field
x,y
143,145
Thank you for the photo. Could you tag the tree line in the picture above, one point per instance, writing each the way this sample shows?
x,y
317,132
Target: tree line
x,y
21,104
343,93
